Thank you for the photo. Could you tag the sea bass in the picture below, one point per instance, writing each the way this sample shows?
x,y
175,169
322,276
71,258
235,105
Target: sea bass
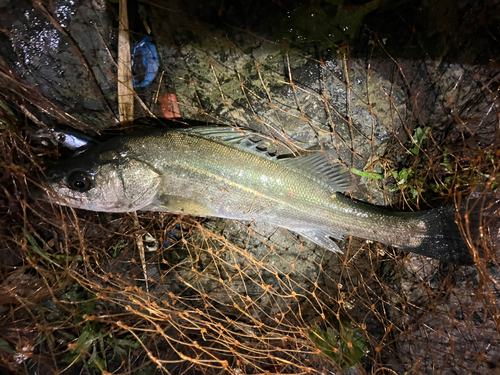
x,y
218,171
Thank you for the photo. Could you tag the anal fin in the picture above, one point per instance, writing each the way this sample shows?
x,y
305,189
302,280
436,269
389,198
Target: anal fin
x,y
322,238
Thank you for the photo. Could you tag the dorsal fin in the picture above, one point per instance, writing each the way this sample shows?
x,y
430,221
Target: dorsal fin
x,y
317,166
223,133
240,138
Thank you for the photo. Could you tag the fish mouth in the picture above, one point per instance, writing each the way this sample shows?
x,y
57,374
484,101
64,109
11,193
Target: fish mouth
x,y
47,189
45,194
43,191
39,193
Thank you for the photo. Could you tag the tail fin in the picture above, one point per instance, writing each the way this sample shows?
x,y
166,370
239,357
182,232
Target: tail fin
x,y
442,238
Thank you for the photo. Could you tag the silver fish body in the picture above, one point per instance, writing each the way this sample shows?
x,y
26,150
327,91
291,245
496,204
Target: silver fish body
x,y
219,172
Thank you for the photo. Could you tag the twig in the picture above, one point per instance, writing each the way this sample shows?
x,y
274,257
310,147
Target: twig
x,y
125,82
140,247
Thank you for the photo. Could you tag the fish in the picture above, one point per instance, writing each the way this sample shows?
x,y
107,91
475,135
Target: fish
x,y
225,172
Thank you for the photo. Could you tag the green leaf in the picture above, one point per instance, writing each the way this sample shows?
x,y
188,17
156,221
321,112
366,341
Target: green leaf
x,y
6,108
403,175
6,347
130,343
95,361
345,348
421,134
47,256
446,163
119,246
376,176
119,350
414,192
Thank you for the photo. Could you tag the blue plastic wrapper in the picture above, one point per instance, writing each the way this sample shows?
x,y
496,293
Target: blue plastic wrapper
x,y
145,55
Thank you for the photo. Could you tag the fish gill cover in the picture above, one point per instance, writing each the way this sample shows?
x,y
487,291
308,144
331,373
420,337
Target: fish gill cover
x,y
402,94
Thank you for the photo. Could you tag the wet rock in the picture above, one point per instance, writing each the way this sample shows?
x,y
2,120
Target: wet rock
x,y
64,53
305,103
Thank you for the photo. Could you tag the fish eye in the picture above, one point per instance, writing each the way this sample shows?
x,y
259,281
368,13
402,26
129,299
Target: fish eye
x,y
79,181
61,137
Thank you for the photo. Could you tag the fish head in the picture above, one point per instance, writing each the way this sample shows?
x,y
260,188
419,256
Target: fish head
x,y
108,181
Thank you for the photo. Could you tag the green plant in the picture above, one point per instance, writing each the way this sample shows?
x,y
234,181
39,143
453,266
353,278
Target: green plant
x,y
96,344
412,180
373,175
481,170
118,247
407,180
345,347
420,135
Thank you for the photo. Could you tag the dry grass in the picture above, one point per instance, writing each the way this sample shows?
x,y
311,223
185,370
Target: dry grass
x,y
78,295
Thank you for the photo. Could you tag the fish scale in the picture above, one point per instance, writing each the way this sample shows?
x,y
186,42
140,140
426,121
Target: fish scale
x,y
218,171
267,191
263,192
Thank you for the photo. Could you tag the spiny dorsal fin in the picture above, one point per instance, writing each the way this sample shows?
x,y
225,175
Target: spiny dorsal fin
x,y
222,133
318,166
240,138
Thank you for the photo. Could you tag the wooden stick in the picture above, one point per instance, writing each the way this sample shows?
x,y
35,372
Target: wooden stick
x,y
125,82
